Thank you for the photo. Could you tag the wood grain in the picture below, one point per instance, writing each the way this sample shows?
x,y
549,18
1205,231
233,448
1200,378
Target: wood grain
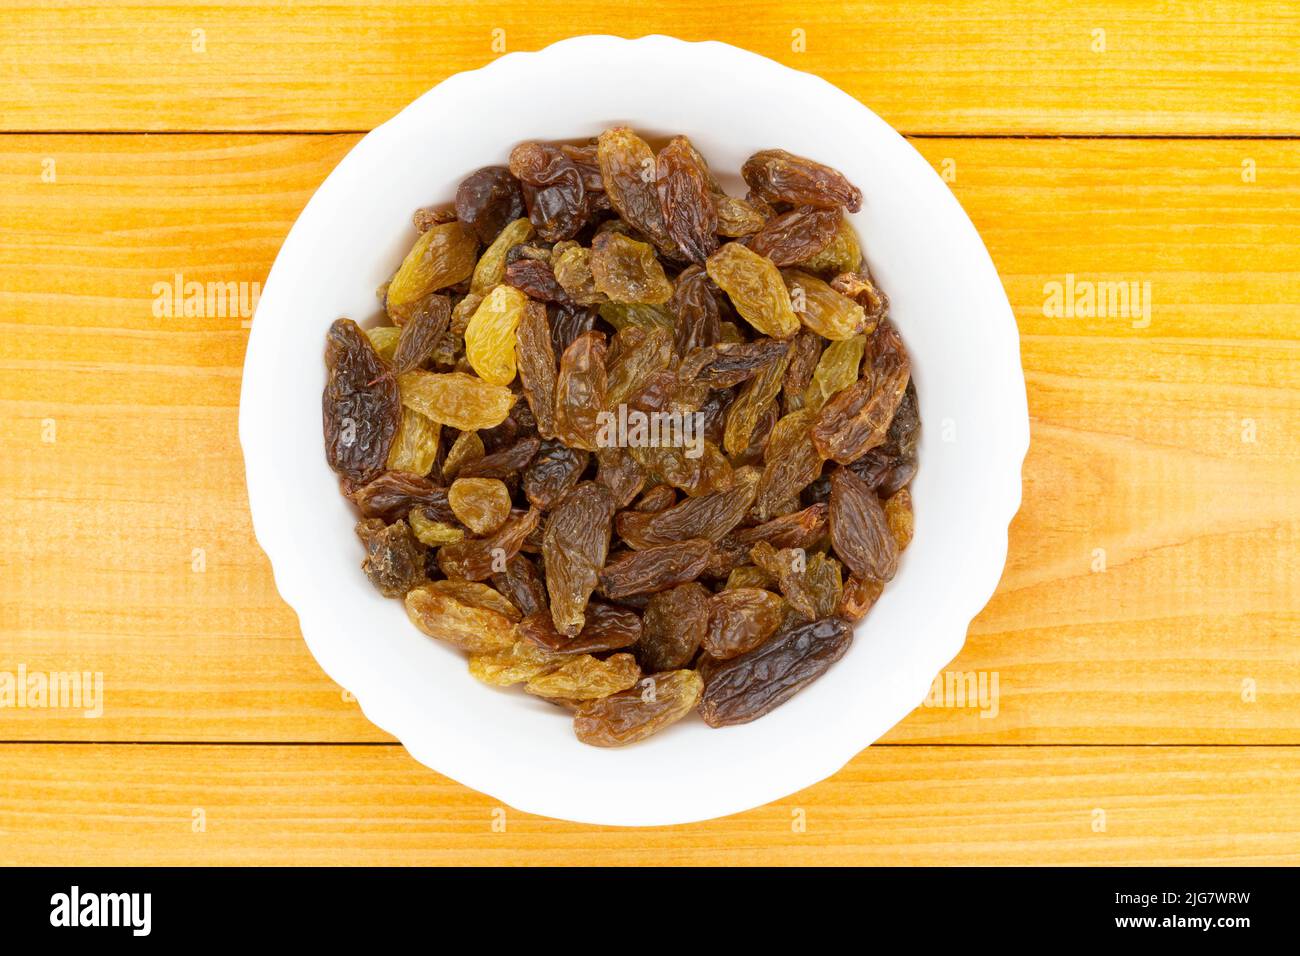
x,y
96,804
1137,443
1102,67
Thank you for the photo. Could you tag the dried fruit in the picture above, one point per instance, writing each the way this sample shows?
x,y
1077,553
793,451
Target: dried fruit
x,y
490,335
898,515
515,664
796,235
859,529
754,285
394,560
456,399
487,199
738,561
574,548
481,504
627,168
628,271
553,472
554,190
778,176
741,619
522,585
479,558
822,309
441,257
442,615
587,678
655,569
580,391
675,623
491,269
686,200
695,308
361,407
745,688
836,370
636,713
415,449
704,516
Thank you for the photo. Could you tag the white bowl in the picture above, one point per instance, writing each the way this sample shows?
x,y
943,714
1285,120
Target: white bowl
x,y
947,302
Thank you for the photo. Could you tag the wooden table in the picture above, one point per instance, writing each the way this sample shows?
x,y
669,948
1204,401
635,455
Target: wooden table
x,y
1146,633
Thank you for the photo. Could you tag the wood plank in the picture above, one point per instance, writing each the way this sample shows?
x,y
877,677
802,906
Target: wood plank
x,y
934,66
1138,443
330,805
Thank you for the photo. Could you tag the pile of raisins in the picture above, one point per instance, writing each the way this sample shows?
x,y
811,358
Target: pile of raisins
x,y
631,583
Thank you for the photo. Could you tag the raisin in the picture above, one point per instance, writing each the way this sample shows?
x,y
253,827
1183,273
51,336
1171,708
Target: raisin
x,y
898,515
491,269
685,199
822,309
425,324
467,447
572,270
694,305
740,217
506,462
634,714
634,355
675,623
843,254
758,395
585,677
792,463
746,687
628,271
456,399
553,472
393,494
554,189
796,235
520,662
860,288
655,569
622,474
440,258
432,532
860,594
477,559
606,628
477,595
778,176
487,199
627,168
361,406
657,498
800,529
890,466
384,338
481,504
836,370
442,615
741,619
574,548
858,418
727,364
536,280
490,335
522,585
580,391
755,287
704,516
859,529
789,568
415,449
394,559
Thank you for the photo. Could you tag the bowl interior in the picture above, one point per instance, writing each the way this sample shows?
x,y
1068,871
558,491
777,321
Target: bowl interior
x,y
946,300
